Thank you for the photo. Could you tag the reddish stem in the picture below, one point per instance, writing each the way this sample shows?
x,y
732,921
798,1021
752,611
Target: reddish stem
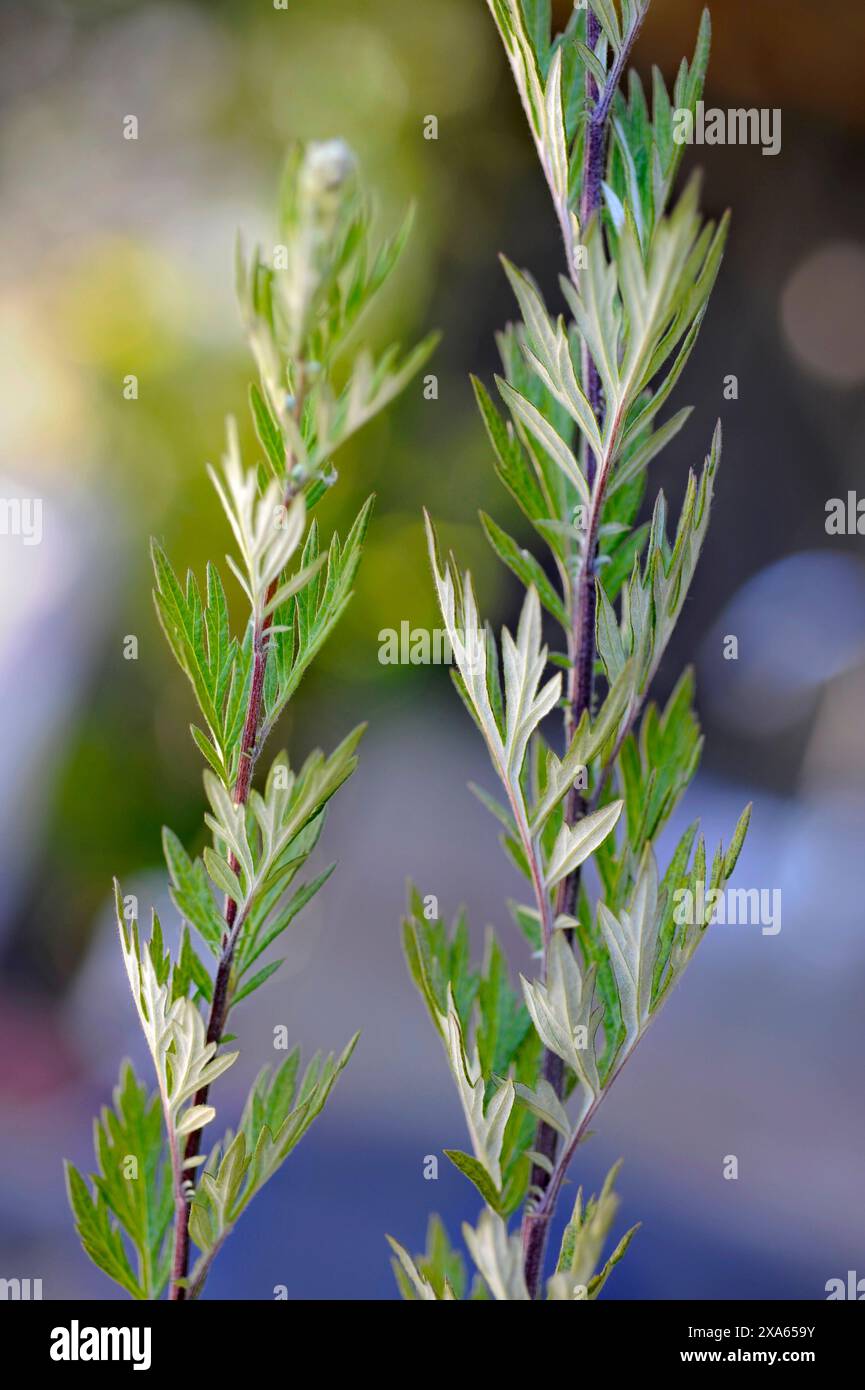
x,y
220,1002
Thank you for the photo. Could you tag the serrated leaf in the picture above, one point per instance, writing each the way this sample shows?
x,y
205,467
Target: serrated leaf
x,y
525,567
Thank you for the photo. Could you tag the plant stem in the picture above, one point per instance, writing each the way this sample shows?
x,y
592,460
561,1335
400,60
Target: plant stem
x,y
181,1221
221,1002
581,641
536,1220
590,202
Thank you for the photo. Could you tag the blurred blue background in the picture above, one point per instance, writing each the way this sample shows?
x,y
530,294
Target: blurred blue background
x,y
118,259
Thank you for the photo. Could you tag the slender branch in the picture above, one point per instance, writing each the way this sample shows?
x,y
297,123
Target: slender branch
x,y
590,202
221,1002
581,639
181,1247
620,62
536,1221
221,985
547,1204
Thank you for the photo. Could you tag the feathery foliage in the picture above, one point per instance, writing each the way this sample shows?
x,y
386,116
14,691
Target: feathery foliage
x,y
314,390
583,395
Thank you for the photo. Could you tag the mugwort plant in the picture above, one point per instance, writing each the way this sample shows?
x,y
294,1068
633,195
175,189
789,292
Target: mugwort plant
x,y
585,392
158,1195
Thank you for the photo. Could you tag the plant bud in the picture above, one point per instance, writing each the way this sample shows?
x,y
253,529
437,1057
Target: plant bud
x,y
328,166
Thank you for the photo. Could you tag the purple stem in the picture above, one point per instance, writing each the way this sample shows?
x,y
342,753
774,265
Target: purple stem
x,y
536,1219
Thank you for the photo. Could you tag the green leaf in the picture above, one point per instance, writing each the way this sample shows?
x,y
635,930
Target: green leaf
x,y
257,980
254,944
189,971
273,1124
582,1244
412,1281
263,837
529,923
100,1238
486,1116
477,1174
525,567
731,858
546,435
512,463
268,431
504,1022
498,1256
632,940
439,959
538,19
545,1105
184,1060
303,624
597,1283
199,637
441,1266
564,1013
133,1176
190,892
223,876
576,842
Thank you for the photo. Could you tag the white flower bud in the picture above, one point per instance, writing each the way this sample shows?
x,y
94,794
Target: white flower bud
x,y
327,166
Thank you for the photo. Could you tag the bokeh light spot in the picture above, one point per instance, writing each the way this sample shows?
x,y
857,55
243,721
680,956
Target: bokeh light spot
x,y
823,313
